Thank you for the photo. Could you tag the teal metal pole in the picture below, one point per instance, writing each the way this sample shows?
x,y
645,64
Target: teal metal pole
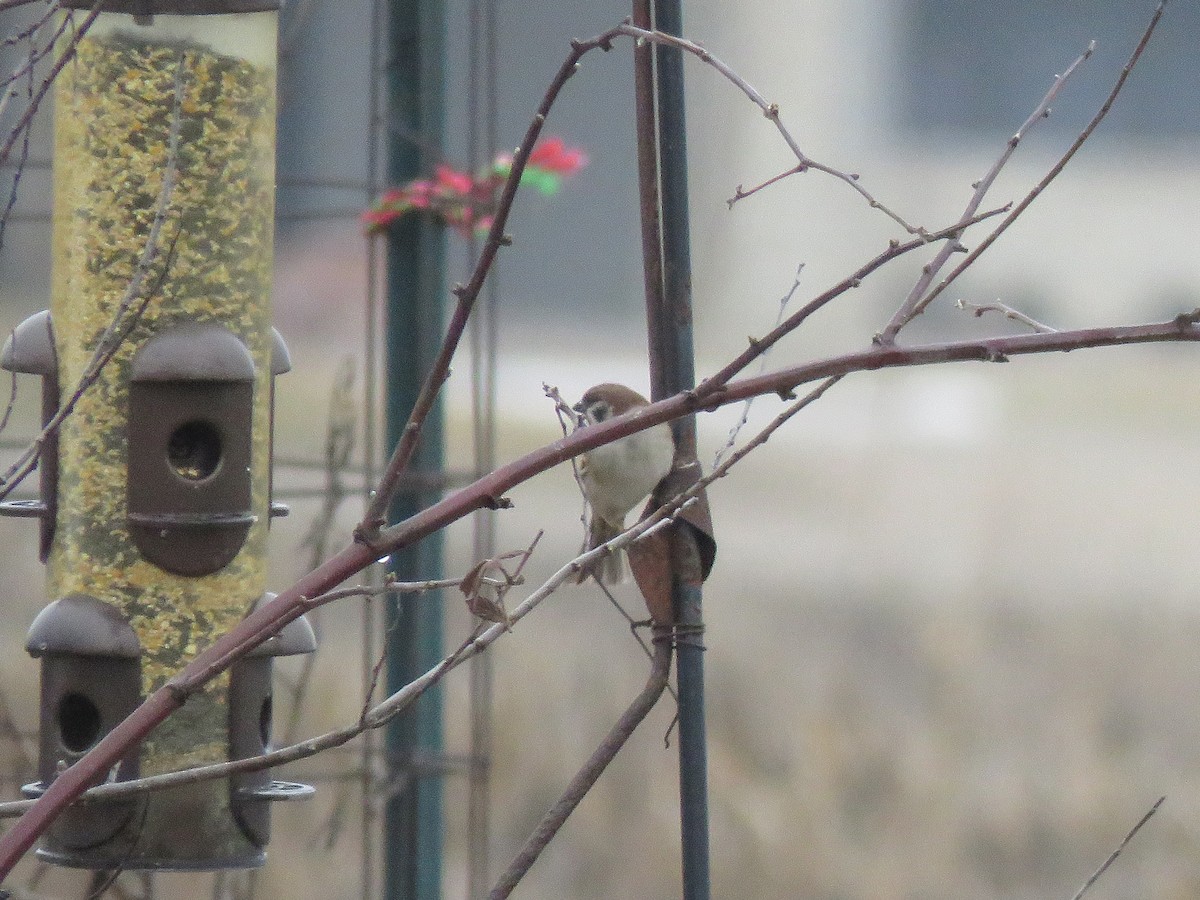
x,y
412,844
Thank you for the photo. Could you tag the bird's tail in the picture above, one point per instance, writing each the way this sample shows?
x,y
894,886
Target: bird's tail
x,y
610,568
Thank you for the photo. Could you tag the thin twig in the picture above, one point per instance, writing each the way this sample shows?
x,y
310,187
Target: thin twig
x,y
566,414
1112,857
770,110
916,299
130,308
1020,207
741,193
25,69
731,441
978,309
895,249
36,101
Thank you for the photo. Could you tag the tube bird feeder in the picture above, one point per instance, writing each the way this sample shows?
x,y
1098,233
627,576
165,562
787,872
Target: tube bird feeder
x,y
156,488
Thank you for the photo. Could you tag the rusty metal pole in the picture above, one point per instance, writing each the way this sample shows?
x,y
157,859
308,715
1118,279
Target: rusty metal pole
x,y
666,247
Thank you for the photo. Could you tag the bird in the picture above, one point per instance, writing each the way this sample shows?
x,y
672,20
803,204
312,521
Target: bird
x,y
616,477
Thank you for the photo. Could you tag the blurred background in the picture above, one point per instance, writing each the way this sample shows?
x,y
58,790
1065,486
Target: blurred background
x,y
952,627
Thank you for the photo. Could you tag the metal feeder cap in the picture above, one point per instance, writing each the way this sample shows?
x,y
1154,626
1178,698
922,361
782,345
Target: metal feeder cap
x,y
81,625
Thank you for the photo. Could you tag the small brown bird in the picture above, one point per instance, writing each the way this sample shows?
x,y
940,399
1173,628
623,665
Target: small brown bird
x,y
618,476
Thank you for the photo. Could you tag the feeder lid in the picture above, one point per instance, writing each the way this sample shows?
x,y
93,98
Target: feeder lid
x,y
281,360
297,636
80,624
30,347
193,351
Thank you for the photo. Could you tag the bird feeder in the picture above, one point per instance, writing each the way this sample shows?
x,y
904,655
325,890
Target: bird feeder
x,y
155,495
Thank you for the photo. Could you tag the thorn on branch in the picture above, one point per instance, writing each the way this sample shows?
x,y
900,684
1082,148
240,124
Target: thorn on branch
x,y
178,692
786,395
459,290
1189,318
367,533
493,502
506,240
992,355
772,111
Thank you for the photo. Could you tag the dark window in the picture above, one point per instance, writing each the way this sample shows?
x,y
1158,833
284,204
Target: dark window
x,y
978,66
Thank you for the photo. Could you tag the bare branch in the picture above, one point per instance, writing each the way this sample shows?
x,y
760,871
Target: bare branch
x,y
26,70
1112,857
731,441
770,110
373,520
895,249
36,101
742,194
915,301
1007,311
987,242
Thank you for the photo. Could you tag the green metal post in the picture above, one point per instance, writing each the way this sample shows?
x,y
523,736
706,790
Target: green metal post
x,y
412,846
